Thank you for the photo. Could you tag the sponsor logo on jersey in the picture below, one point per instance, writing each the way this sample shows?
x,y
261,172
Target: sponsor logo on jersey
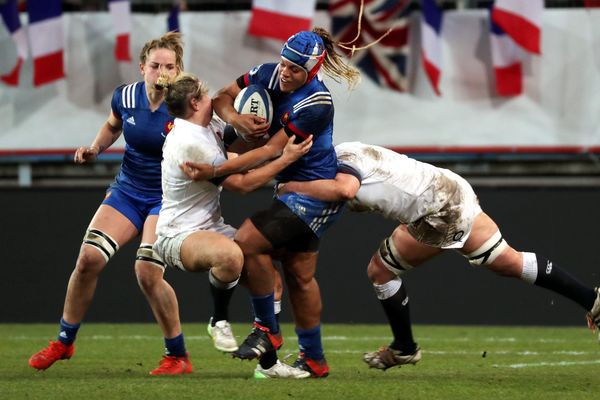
x,y
131,120
458,235
285,118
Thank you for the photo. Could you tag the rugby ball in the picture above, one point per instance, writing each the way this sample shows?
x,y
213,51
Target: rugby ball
x,y
255,100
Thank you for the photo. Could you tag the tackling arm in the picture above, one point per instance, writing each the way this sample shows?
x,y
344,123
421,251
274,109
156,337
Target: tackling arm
x,y
343,188
272,149
252,180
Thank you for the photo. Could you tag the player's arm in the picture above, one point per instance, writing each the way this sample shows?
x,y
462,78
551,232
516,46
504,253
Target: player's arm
x,y
106,136
250,125
247,161
343,188
252,180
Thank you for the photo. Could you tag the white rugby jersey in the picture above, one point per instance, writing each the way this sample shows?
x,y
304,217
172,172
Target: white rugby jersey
x,y
397,186
189,205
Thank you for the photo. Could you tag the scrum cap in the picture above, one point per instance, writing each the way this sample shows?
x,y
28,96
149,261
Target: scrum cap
x,y
307,50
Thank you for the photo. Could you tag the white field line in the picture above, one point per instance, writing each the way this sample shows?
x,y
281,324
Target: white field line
x,y
547,364
293,339
325,338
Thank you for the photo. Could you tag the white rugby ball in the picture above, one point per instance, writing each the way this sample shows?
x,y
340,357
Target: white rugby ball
x,y
255,100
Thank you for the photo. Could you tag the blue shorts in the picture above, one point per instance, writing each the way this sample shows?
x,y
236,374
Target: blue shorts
x,y
135,206
316,214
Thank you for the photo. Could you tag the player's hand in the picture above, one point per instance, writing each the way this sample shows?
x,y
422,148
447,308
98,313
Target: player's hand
x,y
281,189
85,154
250,126
198,171
292,152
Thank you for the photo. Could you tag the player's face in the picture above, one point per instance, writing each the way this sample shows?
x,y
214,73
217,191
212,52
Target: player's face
x,y
159,61
291,76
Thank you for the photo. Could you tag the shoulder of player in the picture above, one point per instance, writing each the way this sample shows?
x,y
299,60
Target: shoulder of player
x,y
264,74
127,94
314,102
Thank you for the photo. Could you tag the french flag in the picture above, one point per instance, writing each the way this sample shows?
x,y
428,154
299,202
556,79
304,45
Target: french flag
x,y
506,57
280,19
173,18
46,40
120,11
10,16
521,20
431,43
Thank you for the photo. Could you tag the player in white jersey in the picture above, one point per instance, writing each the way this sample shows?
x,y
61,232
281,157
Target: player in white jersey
x,y
437,210
192,235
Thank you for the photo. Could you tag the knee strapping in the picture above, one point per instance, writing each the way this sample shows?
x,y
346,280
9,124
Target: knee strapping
x,y
391,258
146,253
489,251
106,245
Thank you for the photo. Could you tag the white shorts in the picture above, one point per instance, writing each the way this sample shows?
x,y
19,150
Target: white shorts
x,y
450,226
169,248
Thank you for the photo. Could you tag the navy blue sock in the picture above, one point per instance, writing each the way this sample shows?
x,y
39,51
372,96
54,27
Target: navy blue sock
x,y
309,341
67,332
175,346
264,311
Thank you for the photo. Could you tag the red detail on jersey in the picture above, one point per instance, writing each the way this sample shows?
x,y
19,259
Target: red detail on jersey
x,y
169,126
297,132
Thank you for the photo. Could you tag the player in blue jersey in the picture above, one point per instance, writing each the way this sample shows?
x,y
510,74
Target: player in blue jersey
x,y
129,209
293,223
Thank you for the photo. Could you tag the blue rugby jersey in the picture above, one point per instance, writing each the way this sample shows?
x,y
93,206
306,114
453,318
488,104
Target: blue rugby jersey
x,y
144,132
308,110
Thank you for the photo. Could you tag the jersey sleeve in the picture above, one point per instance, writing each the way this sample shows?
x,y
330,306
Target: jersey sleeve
x,y
116,103
309,116
345,167
263,75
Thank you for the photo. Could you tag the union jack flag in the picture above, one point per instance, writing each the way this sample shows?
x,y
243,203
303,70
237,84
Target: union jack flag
x,y
385,62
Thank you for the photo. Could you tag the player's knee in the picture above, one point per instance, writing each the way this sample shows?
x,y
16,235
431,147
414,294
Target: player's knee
x,y
391,258
299,281
146,254
227,265
89,261
95,240
147,276
489,251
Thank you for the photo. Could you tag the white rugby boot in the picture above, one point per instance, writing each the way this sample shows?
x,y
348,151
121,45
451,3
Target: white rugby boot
x,y
222,336
280,370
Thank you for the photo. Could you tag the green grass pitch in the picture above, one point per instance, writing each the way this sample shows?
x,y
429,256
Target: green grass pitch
x,y
459,362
